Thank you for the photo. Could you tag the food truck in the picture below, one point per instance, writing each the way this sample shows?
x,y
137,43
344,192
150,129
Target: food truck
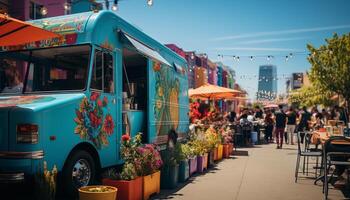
x,y
68,100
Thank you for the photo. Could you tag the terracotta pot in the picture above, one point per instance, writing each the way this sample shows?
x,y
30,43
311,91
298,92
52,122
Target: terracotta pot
x,y
226,151
231,148
151,185
127,190
215,154
220,151
193,165
85,194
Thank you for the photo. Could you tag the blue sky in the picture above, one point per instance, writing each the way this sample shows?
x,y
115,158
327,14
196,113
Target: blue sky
x,y
243,28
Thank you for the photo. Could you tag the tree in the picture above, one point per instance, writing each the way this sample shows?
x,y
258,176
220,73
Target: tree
x,y
330,66
310,96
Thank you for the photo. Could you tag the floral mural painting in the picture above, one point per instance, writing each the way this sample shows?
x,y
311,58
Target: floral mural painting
x,y
166,110
21,100
92,123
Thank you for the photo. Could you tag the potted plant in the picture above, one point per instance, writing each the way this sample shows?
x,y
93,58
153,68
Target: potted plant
x,y
45,182
129,181
98,192
213,142
151,162
226,141
192,161
185,153
202,155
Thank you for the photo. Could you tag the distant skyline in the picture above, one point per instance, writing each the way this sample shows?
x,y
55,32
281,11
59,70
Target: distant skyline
x,y
243,28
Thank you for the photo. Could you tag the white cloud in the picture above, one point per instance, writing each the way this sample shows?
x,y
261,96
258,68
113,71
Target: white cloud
x,y
271,40
255,49
290,31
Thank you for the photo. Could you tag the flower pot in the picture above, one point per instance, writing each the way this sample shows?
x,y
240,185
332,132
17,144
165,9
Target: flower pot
x,y
215,154
85,194
193,165
226,151
211,158
169,177
230,148
127,190
220,151
202,163
151,185
184,170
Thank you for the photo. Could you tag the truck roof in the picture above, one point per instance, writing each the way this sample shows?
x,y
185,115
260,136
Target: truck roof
x,y
84,25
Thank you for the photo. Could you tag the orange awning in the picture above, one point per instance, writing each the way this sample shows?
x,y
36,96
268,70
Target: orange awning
x,y
213,92
16,32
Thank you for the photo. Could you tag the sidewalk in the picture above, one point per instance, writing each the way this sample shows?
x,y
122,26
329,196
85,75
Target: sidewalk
x,y
266,173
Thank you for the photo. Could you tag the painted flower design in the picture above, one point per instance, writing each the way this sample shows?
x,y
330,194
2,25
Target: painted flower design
x,y
92,123
108,124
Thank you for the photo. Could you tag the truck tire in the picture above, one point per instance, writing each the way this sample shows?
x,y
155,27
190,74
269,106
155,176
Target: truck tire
x,y
78,171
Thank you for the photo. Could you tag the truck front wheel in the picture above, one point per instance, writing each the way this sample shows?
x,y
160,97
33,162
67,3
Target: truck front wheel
x,y
79,170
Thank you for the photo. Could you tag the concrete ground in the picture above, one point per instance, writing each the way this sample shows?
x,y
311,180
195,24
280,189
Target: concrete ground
x,y
261,172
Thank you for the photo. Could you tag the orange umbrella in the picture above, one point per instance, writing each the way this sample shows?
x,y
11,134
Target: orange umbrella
x,y
16,32
213,92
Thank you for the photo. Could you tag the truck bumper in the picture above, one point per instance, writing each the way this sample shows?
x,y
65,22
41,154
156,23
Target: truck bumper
x,y
15,166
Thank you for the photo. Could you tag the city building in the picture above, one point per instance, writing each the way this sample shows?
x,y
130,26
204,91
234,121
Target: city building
x,y
267,85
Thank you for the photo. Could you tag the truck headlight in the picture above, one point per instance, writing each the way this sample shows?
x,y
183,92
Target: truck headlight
x,y
27,133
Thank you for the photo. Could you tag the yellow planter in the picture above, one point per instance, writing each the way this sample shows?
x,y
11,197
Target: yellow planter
x,y
220,151
85,194
151,185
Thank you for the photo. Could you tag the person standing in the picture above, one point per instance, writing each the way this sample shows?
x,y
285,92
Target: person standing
x,y
304,123
291,123
280,118
268,127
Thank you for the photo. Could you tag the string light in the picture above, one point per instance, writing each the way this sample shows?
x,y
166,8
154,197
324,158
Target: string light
x,y
287,57
43,10
66,6
149,2
251,58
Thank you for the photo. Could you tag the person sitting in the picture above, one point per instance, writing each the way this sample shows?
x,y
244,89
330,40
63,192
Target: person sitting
x,y
14,83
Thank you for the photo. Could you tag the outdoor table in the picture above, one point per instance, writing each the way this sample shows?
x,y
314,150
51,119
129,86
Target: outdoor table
x,y
321,137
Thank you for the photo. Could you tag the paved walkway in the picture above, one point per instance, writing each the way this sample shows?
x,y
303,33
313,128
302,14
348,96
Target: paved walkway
x,y
265,173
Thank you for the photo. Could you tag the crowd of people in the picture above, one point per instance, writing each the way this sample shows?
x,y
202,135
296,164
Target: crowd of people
x,y
280,124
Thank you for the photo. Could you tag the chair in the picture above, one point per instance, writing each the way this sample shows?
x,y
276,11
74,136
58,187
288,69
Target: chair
x,y
303,153
335,154
308,148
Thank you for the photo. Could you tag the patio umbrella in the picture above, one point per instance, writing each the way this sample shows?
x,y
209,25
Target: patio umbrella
x,y
16,32
213,92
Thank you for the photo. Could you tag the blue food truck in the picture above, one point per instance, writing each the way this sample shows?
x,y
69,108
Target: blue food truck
x,y
68,100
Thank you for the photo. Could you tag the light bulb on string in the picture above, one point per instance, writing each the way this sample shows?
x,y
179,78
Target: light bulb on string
x,y
268,57
43,10
237,58
251,58
149,2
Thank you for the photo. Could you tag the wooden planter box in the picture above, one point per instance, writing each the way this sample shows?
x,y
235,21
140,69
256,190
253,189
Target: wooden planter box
x,y
226,151
193,165
220,151
85,194
151,185
202,163
127,190
169,177
184,170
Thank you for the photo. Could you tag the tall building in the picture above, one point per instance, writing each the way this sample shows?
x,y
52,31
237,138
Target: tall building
x,y
267,86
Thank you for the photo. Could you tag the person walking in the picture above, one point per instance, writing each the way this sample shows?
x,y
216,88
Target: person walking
x,y
291,123
246,129
280,125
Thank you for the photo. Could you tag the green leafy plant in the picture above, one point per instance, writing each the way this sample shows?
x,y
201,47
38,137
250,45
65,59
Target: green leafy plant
x,y
129,172
45,182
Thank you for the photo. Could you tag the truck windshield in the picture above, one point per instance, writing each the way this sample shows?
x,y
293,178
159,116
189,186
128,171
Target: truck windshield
x,y
44,70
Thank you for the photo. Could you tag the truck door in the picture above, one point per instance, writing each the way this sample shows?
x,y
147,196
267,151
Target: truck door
x,y
103,82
